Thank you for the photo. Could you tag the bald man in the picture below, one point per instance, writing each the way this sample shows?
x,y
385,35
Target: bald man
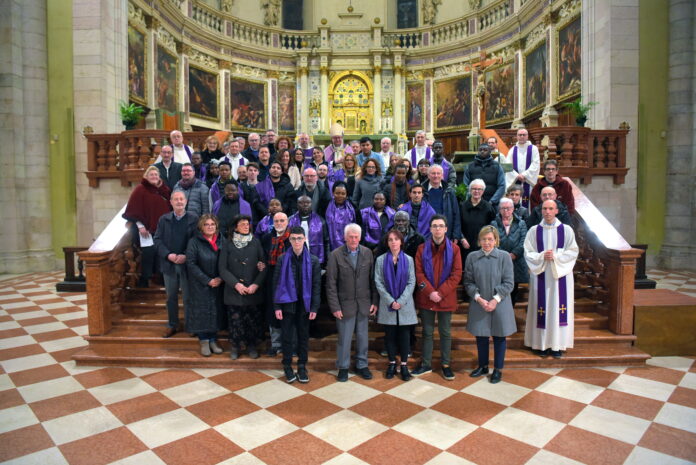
x,y
549,193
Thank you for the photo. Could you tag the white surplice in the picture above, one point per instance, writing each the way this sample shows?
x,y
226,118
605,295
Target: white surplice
x,y
554,337
530,173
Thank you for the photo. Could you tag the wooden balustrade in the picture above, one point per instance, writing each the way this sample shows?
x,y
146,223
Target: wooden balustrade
x,y
125,156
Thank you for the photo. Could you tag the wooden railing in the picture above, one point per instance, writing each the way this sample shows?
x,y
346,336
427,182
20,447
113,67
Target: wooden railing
x,y
125,155
604,272
581,152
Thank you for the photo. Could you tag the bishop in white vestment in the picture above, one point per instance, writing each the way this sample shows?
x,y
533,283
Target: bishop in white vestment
x,y
550,251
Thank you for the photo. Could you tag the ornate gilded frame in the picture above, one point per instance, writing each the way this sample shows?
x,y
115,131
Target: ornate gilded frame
x,y
525,55
574,90
514,90
141,29
436,83
217,96
234,78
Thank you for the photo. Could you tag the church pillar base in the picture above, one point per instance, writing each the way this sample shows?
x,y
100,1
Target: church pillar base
x,y
677,257
549,117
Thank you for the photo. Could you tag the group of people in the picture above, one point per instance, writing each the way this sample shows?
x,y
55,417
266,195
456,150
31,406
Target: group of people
x,y
252,234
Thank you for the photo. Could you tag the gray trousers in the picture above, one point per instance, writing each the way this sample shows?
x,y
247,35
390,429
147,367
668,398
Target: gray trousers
x,y
346,327
444,323
174,280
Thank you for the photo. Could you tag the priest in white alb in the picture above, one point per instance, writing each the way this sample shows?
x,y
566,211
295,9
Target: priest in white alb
x,y
524,158
550,251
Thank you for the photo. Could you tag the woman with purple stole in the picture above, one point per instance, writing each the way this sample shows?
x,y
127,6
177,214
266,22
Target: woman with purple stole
x,y
339,213
376,220
395,279
318,235
266,223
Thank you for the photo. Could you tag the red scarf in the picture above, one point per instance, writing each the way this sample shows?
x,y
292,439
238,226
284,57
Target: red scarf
x,y
213,242
278,247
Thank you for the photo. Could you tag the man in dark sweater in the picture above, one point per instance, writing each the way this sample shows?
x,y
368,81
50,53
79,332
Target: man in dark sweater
x,y
174,230
549,193
170,171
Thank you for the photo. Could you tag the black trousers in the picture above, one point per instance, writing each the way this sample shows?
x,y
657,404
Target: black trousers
x,y
148,260
513,294
291,324
499,346
397,339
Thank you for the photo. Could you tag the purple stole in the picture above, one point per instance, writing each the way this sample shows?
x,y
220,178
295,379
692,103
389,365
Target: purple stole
x,y
266,190
338,175
244,207
336,220
286,292
427,259
227,158
307,154
215,194
414,162
316,233
541,282
426,212
526,188
186,147
264,226
395,281
372,225
330,151
202,172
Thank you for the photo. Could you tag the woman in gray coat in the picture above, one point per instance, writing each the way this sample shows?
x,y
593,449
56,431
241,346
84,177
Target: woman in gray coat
x,y
367,184
242,268
488,279
204,311
395,279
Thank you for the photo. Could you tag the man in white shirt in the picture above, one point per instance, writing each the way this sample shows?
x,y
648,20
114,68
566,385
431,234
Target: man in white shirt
x,y
182,152
386,152
234,157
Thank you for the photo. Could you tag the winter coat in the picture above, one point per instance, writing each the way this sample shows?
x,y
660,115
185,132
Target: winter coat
x,y
450,209
204,312
164,236
365,188
407,312
350,290
240,266
448,289
197,197
514,243
147,203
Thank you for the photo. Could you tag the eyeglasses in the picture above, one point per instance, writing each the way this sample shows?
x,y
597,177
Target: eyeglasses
x,y
297,239
437,226
476,189
506,208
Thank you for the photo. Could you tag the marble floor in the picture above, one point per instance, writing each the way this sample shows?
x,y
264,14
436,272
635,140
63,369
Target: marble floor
x,y
53,412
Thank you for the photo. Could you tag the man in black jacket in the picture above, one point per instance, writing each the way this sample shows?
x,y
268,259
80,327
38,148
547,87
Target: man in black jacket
x,y
320,195
174,230
170,171
549,193
297,296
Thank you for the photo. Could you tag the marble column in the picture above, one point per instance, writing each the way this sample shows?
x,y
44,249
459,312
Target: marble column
x,y
183,99
24,127
517,122
324,88
303,72
398,95
679,250
377,107
549,117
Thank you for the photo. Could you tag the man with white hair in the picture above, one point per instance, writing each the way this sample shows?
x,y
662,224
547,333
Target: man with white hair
x,y
524,157
420,150
352,297
386,151
251,153
335,151
444,201
303,143
476,212
182,152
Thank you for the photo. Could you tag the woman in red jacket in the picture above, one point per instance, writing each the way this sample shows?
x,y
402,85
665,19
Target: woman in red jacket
x,y
148,201
438,272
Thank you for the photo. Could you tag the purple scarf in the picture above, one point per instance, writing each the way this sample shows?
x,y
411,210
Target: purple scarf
x,y
541,282
316,233
526,188
202,171
266,190
244,207
427,258
426,212
395,281
372,225
265,225
336,220
215,193
414,154
286,292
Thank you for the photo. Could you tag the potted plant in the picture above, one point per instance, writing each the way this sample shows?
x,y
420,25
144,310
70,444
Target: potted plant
x,y
579,110
130,114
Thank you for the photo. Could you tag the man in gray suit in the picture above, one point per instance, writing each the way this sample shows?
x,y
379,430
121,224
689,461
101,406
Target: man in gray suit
x,y
352,296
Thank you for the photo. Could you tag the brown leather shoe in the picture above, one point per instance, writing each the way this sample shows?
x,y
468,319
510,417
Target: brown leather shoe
x,y
170,332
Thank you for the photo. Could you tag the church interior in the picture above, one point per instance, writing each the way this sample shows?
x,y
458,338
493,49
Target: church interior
x,y
604,87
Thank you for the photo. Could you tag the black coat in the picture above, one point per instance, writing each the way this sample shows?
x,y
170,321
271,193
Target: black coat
x,y
204,312
163,236
171,178
285,192
514,243
249,193
563,216
240,266
410,247
324,199
316,284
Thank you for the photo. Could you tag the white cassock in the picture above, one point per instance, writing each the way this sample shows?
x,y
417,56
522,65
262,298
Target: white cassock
x,y
236,162
554,336
181,154
527,167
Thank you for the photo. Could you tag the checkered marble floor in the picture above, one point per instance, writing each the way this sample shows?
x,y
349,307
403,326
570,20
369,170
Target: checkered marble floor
x,y
53,412
682,281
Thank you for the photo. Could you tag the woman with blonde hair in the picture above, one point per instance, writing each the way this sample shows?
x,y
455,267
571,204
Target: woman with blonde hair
x,y
212,150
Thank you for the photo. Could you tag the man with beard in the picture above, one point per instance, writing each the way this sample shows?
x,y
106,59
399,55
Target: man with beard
x,y
276,185
449,175
319,196
397,191
314,226
303,143
197,193
412,238
228,207
264,162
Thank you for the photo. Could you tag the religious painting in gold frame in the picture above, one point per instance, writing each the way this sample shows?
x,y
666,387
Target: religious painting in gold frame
x,y
204,91
414,106
500,93
569,59
166,80
535,78
286,107
137,65
453,103
248,104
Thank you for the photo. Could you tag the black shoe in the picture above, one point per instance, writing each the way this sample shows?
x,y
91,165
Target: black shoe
x,y
253,353
421,370
143,282
480,371
302,375
290,376
342,376
364,373
541,353
405,375
496,376
170,332
447,373
556,354
383,353
391,371
272,352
